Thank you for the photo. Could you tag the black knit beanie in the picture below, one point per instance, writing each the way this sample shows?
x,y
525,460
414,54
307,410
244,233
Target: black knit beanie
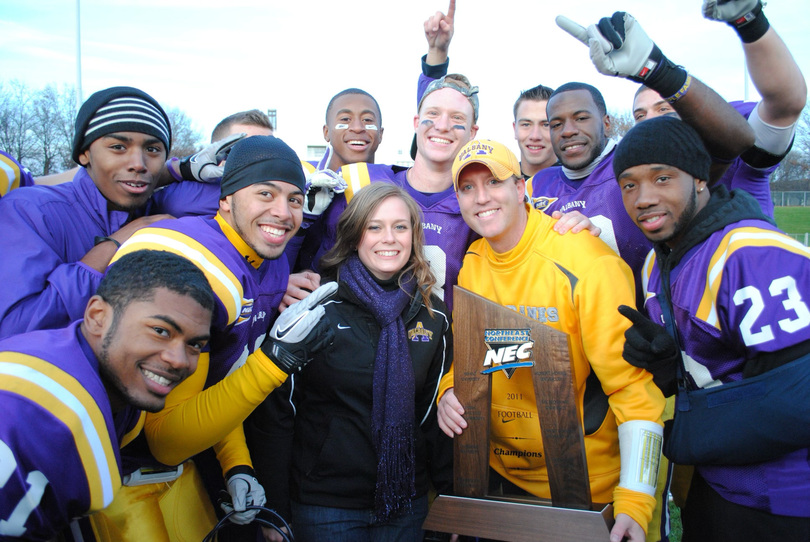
x,y
261,158
663,140
119,109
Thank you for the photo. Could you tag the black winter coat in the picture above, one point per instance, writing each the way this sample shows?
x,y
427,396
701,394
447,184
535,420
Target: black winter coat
x,y
324,439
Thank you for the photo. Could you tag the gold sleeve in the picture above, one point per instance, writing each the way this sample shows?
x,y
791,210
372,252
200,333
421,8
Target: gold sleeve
x,y
195,418
232,450
631,391
445,383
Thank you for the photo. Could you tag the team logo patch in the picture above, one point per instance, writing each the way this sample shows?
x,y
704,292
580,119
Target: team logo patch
x,y
419,333
507,349
247,311
542,203
477,148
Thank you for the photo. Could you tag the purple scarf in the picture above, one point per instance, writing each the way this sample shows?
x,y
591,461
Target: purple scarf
x,y
392,421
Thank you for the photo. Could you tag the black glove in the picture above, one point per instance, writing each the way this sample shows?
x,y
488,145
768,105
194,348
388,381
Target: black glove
x,y
648,346
620,47
300,331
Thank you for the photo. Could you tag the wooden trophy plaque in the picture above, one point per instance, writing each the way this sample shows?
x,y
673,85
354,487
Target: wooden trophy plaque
x,y
570,516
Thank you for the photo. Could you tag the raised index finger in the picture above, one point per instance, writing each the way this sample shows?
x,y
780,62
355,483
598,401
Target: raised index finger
x,y
451,10
576,30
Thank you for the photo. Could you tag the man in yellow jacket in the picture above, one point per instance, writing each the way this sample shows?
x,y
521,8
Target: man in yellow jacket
x,y
573,283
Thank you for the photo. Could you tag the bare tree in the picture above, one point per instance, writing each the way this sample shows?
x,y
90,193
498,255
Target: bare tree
x,y
36,127
185,138
620,123
802,141
793,169
66,128
15,121
796,165
52,117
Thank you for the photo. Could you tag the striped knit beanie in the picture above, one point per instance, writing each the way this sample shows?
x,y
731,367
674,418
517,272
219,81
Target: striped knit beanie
x,y
119,109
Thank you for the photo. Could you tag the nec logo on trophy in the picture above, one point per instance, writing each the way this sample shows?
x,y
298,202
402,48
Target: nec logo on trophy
x,y
507,349
490,339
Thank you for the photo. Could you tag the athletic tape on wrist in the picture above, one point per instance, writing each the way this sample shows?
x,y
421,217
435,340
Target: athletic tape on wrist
x,y
640,443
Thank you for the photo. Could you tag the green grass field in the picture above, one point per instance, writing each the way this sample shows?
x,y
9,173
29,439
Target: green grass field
x,y
676,531
792,219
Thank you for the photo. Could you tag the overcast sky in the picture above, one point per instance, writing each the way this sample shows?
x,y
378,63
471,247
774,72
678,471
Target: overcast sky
x,y
212,59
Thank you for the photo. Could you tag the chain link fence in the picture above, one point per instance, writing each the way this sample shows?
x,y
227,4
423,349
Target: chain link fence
x,y
790,199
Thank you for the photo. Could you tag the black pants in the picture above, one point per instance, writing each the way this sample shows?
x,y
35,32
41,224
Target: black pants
x,y
708,517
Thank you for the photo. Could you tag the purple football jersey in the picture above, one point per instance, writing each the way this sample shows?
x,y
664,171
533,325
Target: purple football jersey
x,y
259,290
59,449
598,197
13,174
447,236
729,307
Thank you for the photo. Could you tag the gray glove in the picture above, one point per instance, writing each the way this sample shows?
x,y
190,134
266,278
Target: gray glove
x,y
744,16
728,10
300,331
620,47
245,490
204,166
322,185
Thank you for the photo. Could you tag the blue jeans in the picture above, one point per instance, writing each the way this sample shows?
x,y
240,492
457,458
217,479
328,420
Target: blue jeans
x,y
319,523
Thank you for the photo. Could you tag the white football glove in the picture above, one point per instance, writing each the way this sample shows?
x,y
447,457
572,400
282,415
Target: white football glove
x,y
299,331
744,16
728,11
618,45
245,490
204,166
322,185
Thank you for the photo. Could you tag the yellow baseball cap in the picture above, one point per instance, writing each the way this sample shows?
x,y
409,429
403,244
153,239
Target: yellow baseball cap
x,y
497,157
